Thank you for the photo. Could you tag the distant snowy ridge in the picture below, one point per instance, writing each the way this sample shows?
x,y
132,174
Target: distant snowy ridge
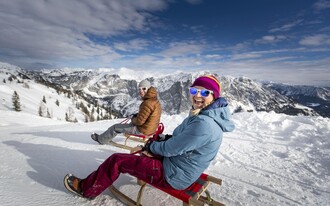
x,y
290,90
316,97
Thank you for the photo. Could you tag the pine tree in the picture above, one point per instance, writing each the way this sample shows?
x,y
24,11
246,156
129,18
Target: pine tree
x,y
16,102
98,109
48,114
57,102
84,109
42,109
44,99
91,118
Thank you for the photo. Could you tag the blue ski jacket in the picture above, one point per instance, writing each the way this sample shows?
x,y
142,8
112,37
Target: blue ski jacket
x,y
194,144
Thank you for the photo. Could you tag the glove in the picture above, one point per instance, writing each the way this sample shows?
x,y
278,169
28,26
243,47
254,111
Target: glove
x,y
163,137
146,147
132,116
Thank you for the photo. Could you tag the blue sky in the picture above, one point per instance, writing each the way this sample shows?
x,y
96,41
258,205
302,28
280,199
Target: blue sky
x,y
277,40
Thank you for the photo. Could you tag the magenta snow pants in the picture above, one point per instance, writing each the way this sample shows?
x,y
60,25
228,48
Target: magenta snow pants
x,y
144,168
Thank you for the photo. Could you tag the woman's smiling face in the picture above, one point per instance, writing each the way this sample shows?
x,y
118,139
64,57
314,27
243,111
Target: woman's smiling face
x,y
198,101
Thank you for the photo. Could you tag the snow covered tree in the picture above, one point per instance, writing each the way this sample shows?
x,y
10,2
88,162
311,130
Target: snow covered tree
x,y
69,115
26,85
16,102
42,109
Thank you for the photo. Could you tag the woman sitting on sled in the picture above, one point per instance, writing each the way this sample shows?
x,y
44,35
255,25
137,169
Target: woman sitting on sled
x,y
179,159
144,122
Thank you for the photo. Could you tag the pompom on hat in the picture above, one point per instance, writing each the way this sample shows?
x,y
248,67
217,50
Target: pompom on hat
x,y
209,82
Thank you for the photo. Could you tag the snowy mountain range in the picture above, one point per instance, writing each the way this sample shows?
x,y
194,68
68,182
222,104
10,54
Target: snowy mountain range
x,y
120,95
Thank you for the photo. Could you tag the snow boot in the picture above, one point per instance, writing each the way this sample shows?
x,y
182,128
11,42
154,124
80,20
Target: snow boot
x,y
72,184
95,137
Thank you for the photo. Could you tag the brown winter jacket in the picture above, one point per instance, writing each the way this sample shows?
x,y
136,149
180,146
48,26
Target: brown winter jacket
x,y
148,118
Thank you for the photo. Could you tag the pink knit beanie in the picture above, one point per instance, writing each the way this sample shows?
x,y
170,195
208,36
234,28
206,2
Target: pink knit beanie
x,y
209,82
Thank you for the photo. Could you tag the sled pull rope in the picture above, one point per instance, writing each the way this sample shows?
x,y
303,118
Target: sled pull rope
x,y
137,152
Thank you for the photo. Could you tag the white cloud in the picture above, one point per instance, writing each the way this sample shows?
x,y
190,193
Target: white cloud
x,y
59,30
286,27
240,46
270,39
213,56
321,5
135,44
182,49
316,40
283,69
241,56
194,2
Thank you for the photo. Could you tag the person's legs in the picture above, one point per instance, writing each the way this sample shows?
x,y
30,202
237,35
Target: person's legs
x,y
115,129
144,168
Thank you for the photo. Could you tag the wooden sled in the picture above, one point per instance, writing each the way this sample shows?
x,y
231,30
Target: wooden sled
x,y
193,195
137,137
144,138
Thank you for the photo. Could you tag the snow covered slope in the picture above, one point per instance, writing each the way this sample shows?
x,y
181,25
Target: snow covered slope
x,y
270,159
39,99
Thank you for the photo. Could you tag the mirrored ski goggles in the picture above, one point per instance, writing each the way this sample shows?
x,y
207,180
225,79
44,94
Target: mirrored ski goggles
x,y
203,92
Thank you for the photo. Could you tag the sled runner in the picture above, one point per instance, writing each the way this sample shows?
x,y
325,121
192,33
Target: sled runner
x,y
193,195
137,137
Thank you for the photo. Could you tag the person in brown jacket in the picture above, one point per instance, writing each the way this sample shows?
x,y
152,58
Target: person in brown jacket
x,y
144,122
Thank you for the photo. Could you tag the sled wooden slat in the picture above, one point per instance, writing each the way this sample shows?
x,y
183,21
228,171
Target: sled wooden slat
x,y
120,145
196,195
138,137
122,197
